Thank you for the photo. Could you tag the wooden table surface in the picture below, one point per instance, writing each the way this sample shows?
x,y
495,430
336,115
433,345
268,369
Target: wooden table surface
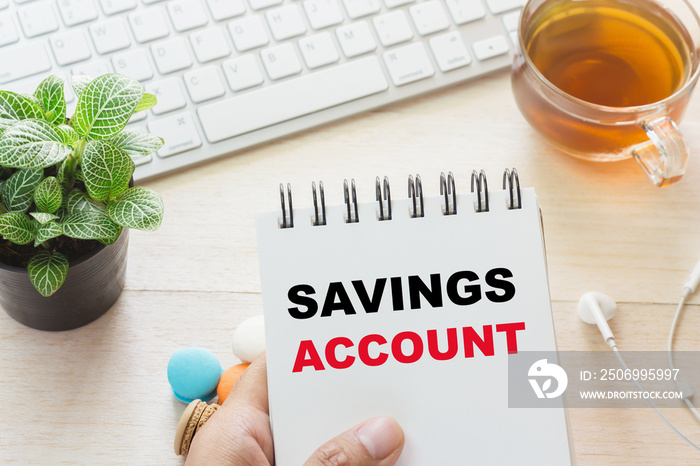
x,y
100,395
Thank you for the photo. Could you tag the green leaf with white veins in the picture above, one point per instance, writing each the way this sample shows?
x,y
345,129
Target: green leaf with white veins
x,y
137,143
70,136
106,170
50,95
90,225
47,271
46,232
32,144
105,106
15,107
43,217
147,101
79,82
78,201
48,196
109,241
140,208
17,227
18,191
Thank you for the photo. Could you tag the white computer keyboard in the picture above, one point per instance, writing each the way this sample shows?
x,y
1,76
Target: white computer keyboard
x,y
230,74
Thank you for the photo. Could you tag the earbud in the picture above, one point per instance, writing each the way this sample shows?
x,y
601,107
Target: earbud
x,y
693,281
597,308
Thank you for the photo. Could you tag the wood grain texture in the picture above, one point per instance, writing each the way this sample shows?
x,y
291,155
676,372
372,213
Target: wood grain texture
x,y
99,395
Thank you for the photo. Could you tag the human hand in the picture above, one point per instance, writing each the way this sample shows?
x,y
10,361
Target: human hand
x,y
239,433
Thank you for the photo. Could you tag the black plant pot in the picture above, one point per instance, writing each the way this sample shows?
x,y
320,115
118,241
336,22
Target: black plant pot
x,y
93,284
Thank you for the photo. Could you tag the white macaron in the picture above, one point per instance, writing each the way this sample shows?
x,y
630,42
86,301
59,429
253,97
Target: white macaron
x,y
249,339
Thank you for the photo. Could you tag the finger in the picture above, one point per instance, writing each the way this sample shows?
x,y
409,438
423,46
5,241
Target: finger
x,y
251,387
249,404
239,432
376,442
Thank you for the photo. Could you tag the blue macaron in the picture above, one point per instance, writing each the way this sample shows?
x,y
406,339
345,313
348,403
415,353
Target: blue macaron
x,y
193,374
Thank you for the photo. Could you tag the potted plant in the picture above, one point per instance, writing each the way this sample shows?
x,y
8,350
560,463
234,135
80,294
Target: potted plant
x,y
67,198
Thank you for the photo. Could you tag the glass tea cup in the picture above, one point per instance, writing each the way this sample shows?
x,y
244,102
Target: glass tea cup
x,y
605,80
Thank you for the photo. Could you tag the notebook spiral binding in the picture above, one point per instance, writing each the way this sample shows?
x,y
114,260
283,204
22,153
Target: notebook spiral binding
x,y
510,178
479,186
350,218
447,189
318,221
287,216
482,190
415,189
387,198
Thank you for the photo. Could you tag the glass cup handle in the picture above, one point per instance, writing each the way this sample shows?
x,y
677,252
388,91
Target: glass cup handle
x,y
665,156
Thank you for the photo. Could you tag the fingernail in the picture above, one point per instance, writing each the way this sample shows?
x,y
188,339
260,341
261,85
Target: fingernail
x,y
380,436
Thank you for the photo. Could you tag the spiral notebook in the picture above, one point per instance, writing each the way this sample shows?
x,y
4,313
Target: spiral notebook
x,y
408,307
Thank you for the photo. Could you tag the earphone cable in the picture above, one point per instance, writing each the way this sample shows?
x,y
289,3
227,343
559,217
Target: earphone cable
x,y
671,334
653,406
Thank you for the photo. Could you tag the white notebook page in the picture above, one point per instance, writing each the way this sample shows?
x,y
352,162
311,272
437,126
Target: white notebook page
x,y
453,411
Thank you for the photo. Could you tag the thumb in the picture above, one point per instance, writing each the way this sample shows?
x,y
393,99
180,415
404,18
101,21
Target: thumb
x,y
375,442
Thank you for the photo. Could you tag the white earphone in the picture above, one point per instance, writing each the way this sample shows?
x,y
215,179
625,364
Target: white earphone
x,y
597,308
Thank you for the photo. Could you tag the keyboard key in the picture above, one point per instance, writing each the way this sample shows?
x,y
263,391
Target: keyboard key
x,y
408,64
450,51
109,36
93,68
204,84
285,22
4,4
322,13
133,63
179,133
242,72
136,117
499,6
77,11
210,44
142,160
318,50
511,20
169,94
360,8
8,32
111,7
225,9
355,39
464,11
395,3
37,19
491,47
392,28
248,33
186,14
70,47
23,60
303,95
429,17
171,55
514,38
149,24
260,4
280,61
